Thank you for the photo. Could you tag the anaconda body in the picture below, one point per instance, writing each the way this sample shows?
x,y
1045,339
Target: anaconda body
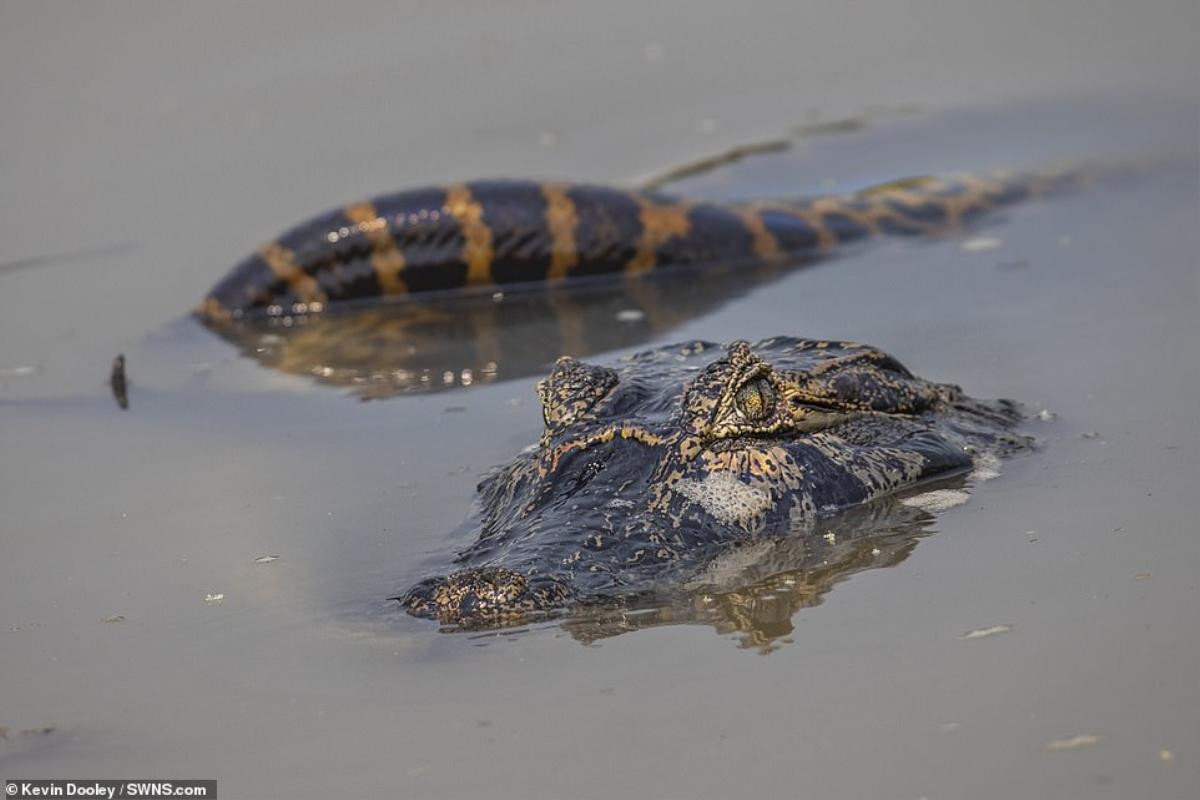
x,y
491,235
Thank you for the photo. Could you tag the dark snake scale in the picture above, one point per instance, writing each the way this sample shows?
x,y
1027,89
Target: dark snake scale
x,y
489,235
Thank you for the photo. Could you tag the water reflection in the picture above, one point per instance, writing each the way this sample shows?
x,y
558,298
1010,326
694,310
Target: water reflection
x,y
380,351
754,591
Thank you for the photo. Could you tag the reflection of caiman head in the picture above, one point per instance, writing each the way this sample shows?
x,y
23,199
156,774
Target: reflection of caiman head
x,y
646,474
754,588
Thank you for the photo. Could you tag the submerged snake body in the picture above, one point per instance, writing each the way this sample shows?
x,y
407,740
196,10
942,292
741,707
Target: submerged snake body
x,y
491,235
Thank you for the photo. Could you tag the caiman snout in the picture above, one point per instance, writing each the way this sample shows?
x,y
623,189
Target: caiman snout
x,y
483,595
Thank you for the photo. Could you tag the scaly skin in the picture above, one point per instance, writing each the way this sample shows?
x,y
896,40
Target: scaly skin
x,y
647,473
486,236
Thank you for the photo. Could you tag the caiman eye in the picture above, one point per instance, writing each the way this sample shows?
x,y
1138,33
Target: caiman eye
x,y
756,400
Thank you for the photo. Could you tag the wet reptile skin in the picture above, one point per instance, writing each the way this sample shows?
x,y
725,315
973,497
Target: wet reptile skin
x,y
491,235
648,472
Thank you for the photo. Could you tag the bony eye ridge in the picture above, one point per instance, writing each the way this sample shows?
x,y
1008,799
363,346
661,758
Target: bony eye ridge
x,y
756,400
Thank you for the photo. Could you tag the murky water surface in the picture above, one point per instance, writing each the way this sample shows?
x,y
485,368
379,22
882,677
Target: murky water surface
x,y
194,587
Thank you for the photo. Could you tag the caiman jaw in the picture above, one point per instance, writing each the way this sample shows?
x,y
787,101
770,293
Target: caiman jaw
x,y
809,414
810,419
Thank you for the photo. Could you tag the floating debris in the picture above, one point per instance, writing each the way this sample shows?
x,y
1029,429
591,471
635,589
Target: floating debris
x,y
978,244
1090,435
7,733
1072,742
831,537
265,559
631,315
1141,576
1046,415
936,500
987,467
721,159
1166,757
980,633
116,380
213,599
114,618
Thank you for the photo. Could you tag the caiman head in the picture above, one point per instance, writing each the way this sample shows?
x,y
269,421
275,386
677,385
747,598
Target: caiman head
x,y
647,472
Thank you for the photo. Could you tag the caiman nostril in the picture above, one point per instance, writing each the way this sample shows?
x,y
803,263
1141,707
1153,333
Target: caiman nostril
x,y
484,594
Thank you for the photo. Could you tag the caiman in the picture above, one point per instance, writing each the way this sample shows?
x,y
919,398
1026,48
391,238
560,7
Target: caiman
x,y
645,474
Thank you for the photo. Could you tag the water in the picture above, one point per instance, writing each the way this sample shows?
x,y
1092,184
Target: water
x,y
156,159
